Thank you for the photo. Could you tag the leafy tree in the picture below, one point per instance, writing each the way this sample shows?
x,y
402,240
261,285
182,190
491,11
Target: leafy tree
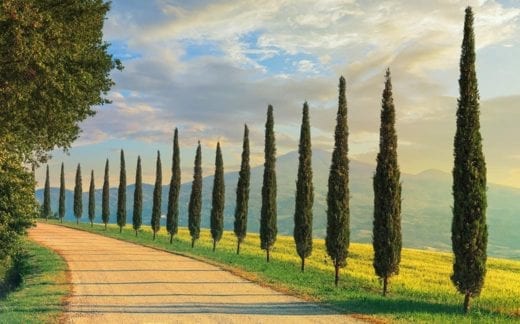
x,y
386,237
61,203
46,209
304,192
55,68
217,206
156,207
172,216
268,228
137,218
105,203
121,195
78,191
195,204
240,225
338,210
469,229
92,200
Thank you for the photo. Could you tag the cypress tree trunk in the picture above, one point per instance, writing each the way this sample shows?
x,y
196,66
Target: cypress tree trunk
x,y
195,204
386,238
91,200
157,194
61,208
242,199
304,192
218,197
172,216
137,217
78,190
469,229
47,196
105,197
267,255
121,195
336,274
338,213
268,228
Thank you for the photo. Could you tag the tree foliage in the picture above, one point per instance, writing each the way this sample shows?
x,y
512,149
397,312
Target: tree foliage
x,y
195,204
137,217
121,194
242,198
78,193
386,237
46,208
61,202
338,210
92,200
469,229
157,193
105,196
304,192
268,228
218,199
172,216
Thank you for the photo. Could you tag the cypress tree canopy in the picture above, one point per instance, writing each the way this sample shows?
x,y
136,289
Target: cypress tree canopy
x,y
195,204
78,190
386,237
217,206
338,210
304,192
46,210
241,209
92,199
61,203
469,229
172,216
157,193
268,229
137,217
105,208
121,194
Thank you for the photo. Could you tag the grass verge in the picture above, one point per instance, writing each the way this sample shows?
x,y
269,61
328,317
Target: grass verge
x,y
40,297
422,292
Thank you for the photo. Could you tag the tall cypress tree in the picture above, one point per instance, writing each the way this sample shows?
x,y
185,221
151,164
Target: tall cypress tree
x,y
217,205
469,229
172,216
105,198
304,192
268,228
78,190
195,205
338,211
92,200
157,192
121,195
61,203
386,237
137,217
240,225
46,209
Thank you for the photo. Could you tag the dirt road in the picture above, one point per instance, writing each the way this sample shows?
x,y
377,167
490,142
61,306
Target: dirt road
x,y
115,281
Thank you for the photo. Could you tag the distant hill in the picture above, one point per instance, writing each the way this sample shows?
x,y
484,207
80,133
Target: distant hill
x,y
426,209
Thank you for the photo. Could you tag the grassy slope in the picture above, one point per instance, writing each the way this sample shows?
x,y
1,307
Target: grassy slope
x,y
421,292
40,298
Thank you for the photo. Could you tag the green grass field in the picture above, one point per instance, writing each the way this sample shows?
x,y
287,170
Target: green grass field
x,y
421,292
40,298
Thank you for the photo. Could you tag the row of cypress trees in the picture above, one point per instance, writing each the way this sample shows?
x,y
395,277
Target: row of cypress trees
x,y
469,229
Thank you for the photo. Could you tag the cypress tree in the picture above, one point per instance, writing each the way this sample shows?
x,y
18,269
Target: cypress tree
x,y
386,237
195,205
46,210
157,192
105,198
268,228
61,208
121,195
217,205
137,218
469,229
172,216
92,200
338,211
304,192
240,225
78,190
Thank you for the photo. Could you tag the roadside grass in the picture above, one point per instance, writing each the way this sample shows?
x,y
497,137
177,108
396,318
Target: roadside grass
x,y
39,299
422,292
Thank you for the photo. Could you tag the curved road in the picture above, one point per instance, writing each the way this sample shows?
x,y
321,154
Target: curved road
x,y
115,281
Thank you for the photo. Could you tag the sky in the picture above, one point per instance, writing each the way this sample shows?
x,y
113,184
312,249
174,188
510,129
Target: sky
x,y
208,67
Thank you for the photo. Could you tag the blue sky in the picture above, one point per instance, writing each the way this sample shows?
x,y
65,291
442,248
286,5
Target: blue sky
x,y
208,67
